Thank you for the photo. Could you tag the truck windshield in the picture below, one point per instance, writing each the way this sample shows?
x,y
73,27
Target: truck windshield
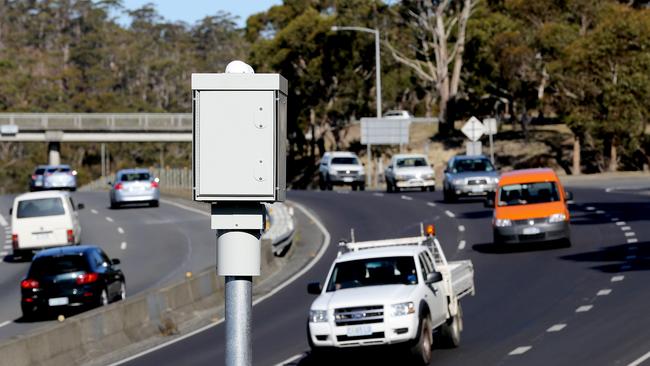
x,y
373,272
411,162
345,161
40,207
473,165
528,193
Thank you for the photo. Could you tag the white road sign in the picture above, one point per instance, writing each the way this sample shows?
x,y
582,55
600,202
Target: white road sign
x,y
385,131
473,148
473,129
490,126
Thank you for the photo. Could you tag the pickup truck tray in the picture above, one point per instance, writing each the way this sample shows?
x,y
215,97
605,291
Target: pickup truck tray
x,y
462,277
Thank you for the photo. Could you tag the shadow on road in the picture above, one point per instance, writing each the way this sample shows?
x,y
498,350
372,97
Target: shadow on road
x,y
491,248
617,258
393,355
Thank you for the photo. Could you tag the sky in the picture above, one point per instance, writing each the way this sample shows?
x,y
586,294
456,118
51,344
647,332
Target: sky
x,y
192,10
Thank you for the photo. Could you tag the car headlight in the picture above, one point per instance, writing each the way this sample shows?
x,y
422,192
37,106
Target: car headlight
x,y
427,176
495,180
457,181
502,222
559,217
401,177
332,172
404,308
317,316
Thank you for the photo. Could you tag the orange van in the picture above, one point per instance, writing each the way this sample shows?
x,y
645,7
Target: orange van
x,y
530,206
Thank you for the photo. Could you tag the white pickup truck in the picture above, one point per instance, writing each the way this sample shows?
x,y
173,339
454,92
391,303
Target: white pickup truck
x,y
391,291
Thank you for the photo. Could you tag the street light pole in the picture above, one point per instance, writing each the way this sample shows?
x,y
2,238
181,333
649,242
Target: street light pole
x,y
377,82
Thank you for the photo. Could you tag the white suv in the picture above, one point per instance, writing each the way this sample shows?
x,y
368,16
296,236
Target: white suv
x,y
341,168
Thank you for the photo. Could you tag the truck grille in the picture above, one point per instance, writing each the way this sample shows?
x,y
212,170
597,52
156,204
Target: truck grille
x,y
359,315
347,173
475,182
527,222
344,338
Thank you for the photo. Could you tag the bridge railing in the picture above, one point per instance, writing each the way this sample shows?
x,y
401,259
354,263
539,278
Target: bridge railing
x,y
99,121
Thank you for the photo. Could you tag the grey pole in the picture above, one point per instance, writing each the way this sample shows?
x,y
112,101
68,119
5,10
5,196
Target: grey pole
x,y
239,349
491,149
103,150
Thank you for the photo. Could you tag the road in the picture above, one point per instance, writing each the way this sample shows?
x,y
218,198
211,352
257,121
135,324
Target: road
x,y
156,246
535,305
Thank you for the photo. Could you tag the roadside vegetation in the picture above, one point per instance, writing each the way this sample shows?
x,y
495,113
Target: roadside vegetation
x,y
580,66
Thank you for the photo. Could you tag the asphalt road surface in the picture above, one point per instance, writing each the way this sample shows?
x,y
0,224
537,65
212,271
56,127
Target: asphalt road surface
x,y
535,305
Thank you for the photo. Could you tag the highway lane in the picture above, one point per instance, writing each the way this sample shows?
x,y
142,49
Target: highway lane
x,y
156,246
521,294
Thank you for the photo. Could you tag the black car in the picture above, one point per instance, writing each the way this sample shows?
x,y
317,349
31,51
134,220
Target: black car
x,y
76,277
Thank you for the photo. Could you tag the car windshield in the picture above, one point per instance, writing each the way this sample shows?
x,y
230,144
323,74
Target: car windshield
x,y
473,165
134,177
345,161
39,171
40,207
411,162
373,272
528,193
52,266
59,169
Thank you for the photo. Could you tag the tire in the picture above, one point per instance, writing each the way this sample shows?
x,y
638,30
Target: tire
x,y
321,183
362,186
389,187
29,314
421,351
114,205
448,196
354,187
424,189
154,204
451,329
432,189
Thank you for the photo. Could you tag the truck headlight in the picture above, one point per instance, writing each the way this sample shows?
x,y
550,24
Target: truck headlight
x,y
427,176
404,308
502,222
332,172
457,181
317,316
559,217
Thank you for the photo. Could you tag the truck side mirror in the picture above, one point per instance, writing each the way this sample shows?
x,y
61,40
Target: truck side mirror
x,y
81,206
314,288
434,277
115,261
11,211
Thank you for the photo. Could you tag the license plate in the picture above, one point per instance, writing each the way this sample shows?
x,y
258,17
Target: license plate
x,y
42,236
347,179
531,231
359,330
58,301
476,190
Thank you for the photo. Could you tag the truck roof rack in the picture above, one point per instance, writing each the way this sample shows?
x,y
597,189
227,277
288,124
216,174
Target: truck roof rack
x,y
356,246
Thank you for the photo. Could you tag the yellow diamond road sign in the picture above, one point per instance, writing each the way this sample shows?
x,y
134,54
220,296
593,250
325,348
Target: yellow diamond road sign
x,y
473,129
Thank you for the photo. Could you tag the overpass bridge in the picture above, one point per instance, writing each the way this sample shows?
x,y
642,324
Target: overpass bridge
x,y
55,128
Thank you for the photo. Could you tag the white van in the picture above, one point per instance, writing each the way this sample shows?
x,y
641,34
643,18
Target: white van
x,y
44,220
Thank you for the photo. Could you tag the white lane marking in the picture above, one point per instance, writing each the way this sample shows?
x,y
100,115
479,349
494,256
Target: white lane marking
x,y
590,208
621,223
604,292
556,328
5,323
94,211
316,259
461,244
614,219
3,222
632,240
584,308
625,267
431,204
378,194
290,360
6,247
519,350
461,228
630,233
600,212
626,228
407,198
630,257
4,253
120,230
449,213
617,278
123,245
109,219
640,360
186,208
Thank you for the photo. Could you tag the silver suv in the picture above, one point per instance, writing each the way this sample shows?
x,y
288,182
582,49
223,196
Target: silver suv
x,y
469,176
341,168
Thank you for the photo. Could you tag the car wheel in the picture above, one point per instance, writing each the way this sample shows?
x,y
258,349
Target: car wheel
x,y
362,187
29,314
450,330
354,187
432,189
114,205
421,351
321,183
154,204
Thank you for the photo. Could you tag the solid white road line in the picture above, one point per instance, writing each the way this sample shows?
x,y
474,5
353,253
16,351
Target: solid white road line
x,y
621,223
123,245
94,211
604,292
556,328
630,233
632,240
3,222
519,350
461,244
640,360
432,204
316,259
584,308
120,230
290,359
461,228
5,323
626,228
109,219
186,208
617,278
449,213
407,198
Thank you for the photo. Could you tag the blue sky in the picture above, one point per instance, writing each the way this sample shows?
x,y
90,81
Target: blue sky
x,y
192,10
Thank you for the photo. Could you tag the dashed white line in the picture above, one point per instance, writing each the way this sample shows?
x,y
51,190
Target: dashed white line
x,y
626,228
461,244
630,233
378,194
3,222
584,308
407,198
621,223
640,360
449,213
556,328
630,257
120,230
519,350
109,219
604,292
590,208
4,323
123,245
461,228
600,212
290,360
617,278
94,211
432,204
632,240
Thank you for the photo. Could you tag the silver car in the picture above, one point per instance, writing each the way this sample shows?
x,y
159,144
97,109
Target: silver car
x,y
467,175
59,177
134,186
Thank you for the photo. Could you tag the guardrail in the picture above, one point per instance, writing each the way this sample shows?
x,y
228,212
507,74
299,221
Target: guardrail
x,y
99,121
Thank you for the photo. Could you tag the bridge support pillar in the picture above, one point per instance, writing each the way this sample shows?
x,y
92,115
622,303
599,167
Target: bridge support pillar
x,y
54,153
